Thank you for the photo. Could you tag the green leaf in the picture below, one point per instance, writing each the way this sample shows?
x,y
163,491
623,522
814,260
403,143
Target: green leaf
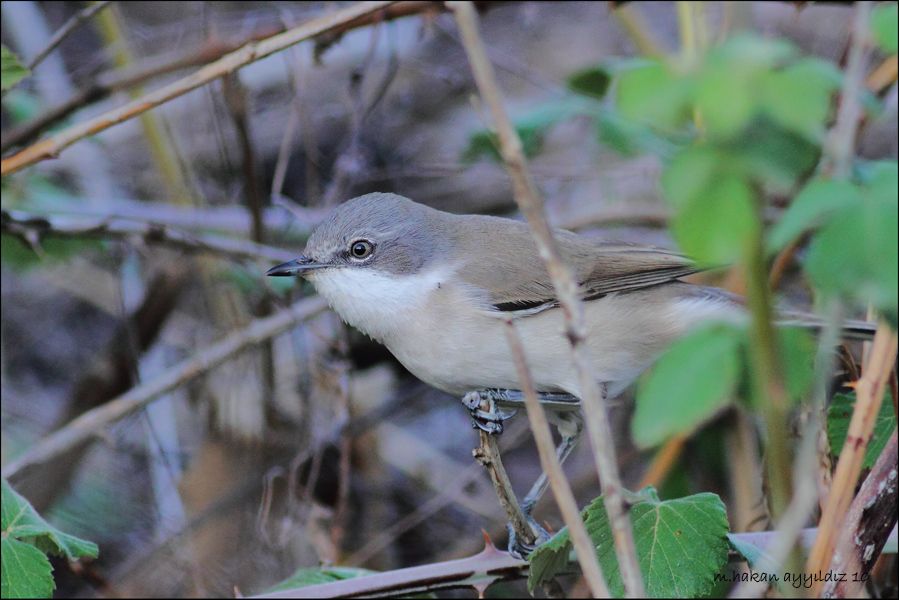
x,y
797,348
650,93
715,226
690,174
630,138
819,199
772,155
839,413
11,70
681,544
799,97
314,576
692,381
856,254
19,520
26,571
883,27
531,129
726,99
592,82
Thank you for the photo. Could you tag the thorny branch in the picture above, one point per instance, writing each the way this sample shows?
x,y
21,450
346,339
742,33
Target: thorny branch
x,y
528,199
94,421
31,228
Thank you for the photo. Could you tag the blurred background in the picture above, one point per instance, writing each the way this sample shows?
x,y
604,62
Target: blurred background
x,y
316,446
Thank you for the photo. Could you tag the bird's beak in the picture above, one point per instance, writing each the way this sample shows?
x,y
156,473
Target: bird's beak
x,y
297,266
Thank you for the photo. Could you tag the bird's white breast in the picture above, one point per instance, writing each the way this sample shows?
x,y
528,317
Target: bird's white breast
x,y
377,303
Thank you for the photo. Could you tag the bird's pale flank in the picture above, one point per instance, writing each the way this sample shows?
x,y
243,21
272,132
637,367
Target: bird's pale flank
x,y
435,288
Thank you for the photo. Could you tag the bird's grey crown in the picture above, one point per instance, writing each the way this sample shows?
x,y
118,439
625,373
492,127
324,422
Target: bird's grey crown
x,y
404,234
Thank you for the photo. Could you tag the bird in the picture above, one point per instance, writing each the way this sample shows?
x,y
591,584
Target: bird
x,y
437,289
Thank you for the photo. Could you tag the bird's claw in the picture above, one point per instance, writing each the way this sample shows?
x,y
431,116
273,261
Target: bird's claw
x,y
485,415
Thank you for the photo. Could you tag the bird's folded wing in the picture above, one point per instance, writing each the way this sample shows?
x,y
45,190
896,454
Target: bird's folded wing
x,y
515,279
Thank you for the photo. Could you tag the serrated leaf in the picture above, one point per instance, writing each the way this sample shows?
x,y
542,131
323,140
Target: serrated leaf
x,y
716,225
592,82
313,576
692,381
681,544
11,69
819,199
856,254
26,571
839,413
20,520
884,27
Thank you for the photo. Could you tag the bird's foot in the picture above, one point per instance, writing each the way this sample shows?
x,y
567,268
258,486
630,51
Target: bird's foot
x,y
518,547
485,414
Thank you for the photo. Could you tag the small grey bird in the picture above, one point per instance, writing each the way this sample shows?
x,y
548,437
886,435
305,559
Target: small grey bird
x,y
436,289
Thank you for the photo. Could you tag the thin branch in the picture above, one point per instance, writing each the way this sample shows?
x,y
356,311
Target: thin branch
x,y
869,396
871,517
841,141
94,421
32,227
63,32
488,455
530,203
583,545
51,147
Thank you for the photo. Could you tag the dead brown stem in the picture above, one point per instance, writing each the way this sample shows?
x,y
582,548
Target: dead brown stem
x,y
531,204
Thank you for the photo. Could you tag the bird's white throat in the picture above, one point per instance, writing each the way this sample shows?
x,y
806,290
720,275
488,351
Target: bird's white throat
x,y
377,303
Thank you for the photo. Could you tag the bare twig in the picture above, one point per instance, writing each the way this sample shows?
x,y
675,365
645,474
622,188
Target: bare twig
x,y
488,455
252,52
530,203
841,141
869,396
31,228
583,545
62,33
869,521
93,421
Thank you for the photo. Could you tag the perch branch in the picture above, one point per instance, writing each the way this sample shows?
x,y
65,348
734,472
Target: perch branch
x,y
488,455
31,228
530,203
252,52
93,421
583,545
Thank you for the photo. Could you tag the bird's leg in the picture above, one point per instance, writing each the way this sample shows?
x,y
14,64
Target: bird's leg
x,y
570,429
489,408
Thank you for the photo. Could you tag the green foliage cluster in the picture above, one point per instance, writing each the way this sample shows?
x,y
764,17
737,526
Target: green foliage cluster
x,y
746,120
27,539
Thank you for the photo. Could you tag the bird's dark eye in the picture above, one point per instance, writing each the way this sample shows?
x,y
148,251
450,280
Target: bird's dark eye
x,y
361,248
